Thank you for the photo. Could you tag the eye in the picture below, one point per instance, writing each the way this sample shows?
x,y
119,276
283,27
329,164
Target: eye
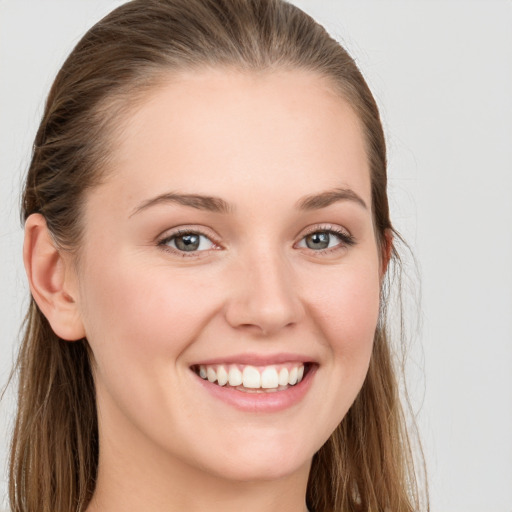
x,y
188,241
321,240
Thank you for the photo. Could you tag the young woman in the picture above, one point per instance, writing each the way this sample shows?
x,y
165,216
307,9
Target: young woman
x,y
207,239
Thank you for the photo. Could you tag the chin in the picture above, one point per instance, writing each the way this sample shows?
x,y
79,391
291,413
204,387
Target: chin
x,y
261,461
262,470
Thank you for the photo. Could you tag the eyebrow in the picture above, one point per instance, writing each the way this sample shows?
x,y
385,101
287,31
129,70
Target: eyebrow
x,y
324,199
218,205
200,202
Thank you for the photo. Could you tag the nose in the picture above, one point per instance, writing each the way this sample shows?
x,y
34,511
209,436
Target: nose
x,y
264,296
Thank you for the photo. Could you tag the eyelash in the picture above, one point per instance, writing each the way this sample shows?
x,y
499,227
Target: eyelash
x,y
346,240
187,231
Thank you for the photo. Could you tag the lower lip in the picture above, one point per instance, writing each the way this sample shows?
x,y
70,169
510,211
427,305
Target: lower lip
x,y
261,402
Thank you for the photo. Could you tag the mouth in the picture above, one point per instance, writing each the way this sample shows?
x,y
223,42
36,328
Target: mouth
x,y
254,379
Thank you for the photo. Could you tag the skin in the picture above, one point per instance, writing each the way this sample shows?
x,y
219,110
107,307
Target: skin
x,y
261,143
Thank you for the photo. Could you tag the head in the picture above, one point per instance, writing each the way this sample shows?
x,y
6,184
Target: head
x,y
126,77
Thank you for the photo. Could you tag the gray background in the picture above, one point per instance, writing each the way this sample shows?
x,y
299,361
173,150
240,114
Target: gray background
x,y
442,74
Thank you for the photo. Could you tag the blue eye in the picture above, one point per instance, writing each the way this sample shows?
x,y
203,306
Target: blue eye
x,y
188,242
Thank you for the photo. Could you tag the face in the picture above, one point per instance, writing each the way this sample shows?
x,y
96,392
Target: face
x,y
229,276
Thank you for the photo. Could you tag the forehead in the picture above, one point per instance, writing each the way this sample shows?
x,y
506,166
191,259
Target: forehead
x,y
202,129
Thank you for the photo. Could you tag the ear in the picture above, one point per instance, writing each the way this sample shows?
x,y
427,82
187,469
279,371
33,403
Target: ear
x,y
52,280
386,251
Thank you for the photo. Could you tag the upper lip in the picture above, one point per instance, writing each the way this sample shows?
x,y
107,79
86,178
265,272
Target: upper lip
x,y
258,359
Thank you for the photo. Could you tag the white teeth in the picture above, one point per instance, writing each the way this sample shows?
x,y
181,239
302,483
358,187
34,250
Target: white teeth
x,y
283,377
269,378
235,376
251,377
222,376
211,374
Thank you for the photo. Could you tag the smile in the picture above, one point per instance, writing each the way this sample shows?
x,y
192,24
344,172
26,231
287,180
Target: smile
x,y
253,379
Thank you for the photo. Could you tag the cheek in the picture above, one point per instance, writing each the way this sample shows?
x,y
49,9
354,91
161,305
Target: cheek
x,y
346,314
139,314
139,321
347,310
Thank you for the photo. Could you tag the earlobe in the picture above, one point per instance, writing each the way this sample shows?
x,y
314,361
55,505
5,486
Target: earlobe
x,y
52,281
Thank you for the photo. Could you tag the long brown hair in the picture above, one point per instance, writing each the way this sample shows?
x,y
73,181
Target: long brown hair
x,y
366,465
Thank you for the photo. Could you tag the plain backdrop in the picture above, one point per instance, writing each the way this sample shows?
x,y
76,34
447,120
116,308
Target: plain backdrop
x,y
442,74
